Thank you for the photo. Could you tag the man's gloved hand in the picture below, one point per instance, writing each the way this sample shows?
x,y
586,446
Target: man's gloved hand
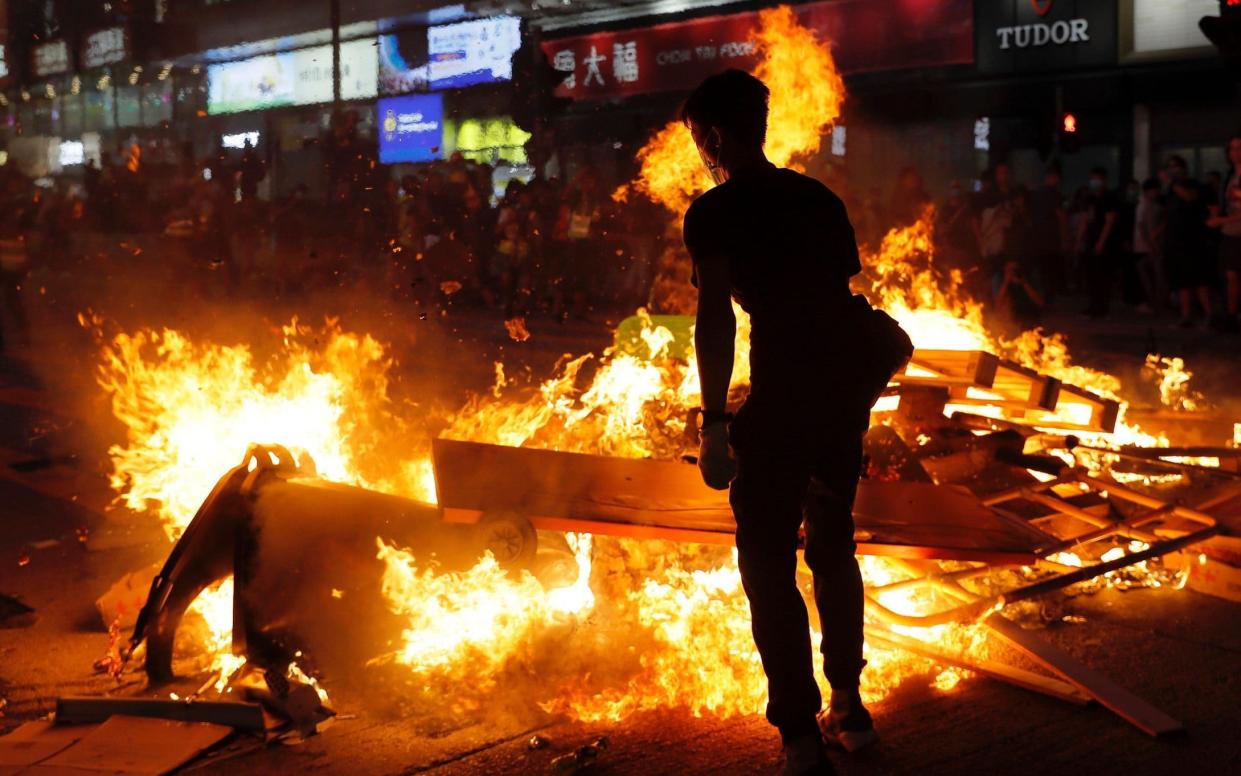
x,y
715,459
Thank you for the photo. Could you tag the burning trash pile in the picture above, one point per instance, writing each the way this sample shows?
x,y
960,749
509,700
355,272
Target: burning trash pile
x,y
549,538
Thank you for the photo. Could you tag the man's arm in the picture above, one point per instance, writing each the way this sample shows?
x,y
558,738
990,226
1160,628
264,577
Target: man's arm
x,y
714,332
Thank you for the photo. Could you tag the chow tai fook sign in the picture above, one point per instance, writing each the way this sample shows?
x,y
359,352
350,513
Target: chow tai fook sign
x,y
1030,36
678,55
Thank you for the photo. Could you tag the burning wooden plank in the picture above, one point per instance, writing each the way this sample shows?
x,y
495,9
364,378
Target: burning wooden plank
x,y
667,500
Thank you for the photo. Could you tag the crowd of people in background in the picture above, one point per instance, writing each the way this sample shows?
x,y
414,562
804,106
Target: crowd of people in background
x,y
441,235
1167,245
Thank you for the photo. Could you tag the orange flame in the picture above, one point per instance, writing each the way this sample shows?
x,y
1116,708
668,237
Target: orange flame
x,y
191,409
807,93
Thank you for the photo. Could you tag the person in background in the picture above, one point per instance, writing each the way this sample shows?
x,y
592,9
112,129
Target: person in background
x,y
510,266
1017,301
870,226
580,227
956,232
1131,290
909,199
1148,232
1228,221
1188,266
1097,243
995,205
1050,229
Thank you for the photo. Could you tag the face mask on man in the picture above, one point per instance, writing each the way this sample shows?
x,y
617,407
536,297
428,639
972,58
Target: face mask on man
x,y
1096,185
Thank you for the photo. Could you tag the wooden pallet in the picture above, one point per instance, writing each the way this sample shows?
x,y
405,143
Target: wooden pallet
x,y
647,499
975,377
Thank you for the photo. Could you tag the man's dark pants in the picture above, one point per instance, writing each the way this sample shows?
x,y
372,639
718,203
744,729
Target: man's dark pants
x,y
787,473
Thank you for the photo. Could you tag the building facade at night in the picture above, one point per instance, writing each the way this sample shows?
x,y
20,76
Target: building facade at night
x,y
950,85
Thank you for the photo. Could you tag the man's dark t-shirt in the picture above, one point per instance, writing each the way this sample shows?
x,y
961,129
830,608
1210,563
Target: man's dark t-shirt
x,y
1100,205
790,251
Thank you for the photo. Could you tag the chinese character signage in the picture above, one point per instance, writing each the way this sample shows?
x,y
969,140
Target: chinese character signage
x,y
411,128
105,47
866,35
51,58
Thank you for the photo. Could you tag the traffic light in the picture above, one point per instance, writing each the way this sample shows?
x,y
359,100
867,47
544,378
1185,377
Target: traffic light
x,y
1070,141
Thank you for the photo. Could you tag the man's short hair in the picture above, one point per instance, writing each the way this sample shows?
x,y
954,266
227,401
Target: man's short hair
x,y
733,101
1099,171
1178,160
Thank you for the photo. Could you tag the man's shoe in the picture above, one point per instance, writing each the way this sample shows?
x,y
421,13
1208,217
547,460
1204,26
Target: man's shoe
x,y
847,724
804,756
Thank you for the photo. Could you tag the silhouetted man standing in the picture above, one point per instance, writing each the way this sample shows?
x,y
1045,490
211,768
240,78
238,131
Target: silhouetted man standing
x,y
781,245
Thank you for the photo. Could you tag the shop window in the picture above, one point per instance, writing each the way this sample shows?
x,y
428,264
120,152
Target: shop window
x,y
156,103
97,109
495,140
128,106
42,124
71,116
25,117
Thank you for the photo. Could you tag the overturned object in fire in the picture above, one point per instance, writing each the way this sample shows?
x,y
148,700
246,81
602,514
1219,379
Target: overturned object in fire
x,y
292,541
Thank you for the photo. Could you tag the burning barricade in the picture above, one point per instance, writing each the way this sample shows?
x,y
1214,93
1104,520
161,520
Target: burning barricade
x,y
523,540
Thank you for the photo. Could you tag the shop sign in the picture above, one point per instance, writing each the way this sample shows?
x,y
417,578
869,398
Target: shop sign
x,y
4,60
51,58
241,140
411,128
71,152
1039,35
473,52
301,77
1169,27
678,55
105,47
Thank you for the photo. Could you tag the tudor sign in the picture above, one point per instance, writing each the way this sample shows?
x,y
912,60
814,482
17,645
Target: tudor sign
x,y
1040,35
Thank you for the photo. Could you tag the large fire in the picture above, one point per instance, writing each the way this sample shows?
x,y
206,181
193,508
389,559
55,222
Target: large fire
x,y
191,409
807,93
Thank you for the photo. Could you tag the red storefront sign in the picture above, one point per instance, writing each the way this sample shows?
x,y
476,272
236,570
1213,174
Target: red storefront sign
x,y
866,35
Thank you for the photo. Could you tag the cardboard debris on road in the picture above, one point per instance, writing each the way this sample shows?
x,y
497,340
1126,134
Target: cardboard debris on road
x,y
136,745
121,604
1214,567
35,742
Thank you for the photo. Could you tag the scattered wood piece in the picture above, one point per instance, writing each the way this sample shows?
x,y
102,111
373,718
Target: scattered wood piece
x,y
242,716
1128,706
1015,676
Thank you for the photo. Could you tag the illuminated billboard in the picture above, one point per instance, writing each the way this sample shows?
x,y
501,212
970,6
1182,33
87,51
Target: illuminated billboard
x,y
411,128
301,77
449,56
474,52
